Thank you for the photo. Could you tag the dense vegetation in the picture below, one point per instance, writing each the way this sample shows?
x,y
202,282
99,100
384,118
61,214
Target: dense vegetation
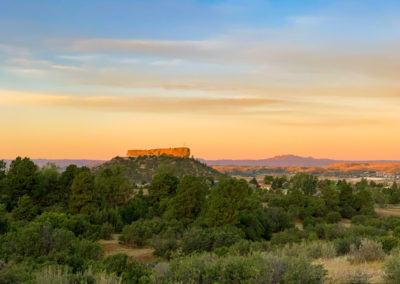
x,y
202,230
141,169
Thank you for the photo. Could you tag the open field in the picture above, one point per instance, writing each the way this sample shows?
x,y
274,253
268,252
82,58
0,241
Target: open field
x,y
340,269
113,246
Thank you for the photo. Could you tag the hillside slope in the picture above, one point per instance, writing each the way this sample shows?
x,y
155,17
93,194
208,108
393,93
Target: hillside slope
x,y
142,168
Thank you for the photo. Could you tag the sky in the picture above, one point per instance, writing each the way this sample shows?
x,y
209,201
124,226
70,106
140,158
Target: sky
x,y
229,79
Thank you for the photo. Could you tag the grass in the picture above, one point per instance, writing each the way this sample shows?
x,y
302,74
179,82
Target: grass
x,y
340,269
113,246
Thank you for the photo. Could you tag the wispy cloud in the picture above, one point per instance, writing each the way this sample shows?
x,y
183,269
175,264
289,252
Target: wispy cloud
x,y
139,104
289,56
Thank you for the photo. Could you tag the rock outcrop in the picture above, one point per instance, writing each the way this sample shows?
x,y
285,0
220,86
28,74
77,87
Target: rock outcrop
x,y
176,152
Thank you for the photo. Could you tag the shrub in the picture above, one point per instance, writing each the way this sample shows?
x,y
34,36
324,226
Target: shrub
x,y
126,267
392,222
246,247
333,217
14,273
335,231
343,245
279,219
106,231
313,250
368,251
197,239
63,275
359,219
287,236
396,232
388,243
392,268
311,221
164,246
138,233
256,268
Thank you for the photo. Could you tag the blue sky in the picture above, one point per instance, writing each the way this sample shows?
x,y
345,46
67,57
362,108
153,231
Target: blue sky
x,y
269,66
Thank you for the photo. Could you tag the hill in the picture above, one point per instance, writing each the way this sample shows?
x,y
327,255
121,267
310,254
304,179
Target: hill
x,y
288,161
142,168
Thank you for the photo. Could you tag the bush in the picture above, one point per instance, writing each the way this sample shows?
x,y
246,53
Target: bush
x,y
392,268
368,251
64,275
287,236
396,232
11,273
359,220
335,231
311,222
126,267
140,232
388,243
197,239
164,246
343,245
106,231
392,222
313,250
256,268
333,217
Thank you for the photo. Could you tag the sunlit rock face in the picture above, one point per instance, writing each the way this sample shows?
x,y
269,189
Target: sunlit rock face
x,y
177,152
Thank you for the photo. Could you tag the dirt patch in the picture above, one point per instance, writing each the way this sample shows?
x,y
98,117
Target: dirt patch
x,y
339,269
393,210
113,246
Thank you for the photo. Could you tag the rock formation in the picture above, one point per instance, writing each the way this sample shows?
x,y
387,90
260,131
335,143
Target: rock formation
x,y
177,152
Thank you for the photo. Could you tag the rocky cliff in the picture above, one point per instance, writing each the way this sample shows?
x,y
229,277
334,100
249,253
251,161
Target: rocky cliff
x,y
183,152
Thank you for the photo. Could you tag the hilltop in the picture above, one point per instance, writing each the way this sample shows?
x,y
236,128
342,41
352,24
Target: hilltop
x,y
143,168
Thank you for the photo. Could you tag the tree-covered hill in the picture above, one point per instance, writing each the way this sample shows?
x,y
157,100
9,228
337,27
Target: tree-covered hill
x,y
141,169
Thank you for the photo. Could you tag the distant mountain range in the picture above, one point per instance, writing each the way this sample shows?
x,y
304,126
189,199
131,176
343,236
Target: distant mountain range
x,y
288,161
277,161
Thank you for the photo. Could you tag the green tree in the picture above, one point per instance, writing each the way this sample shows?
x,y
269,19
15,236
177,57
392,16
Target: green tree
x,y
330,195
162,186
83,197
268,179
189,199
305,182
48,192
22,179
26,209
279,182
113,186
346,199
230,199
65,182
254,182
137,208
2,170
3,194
394,194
